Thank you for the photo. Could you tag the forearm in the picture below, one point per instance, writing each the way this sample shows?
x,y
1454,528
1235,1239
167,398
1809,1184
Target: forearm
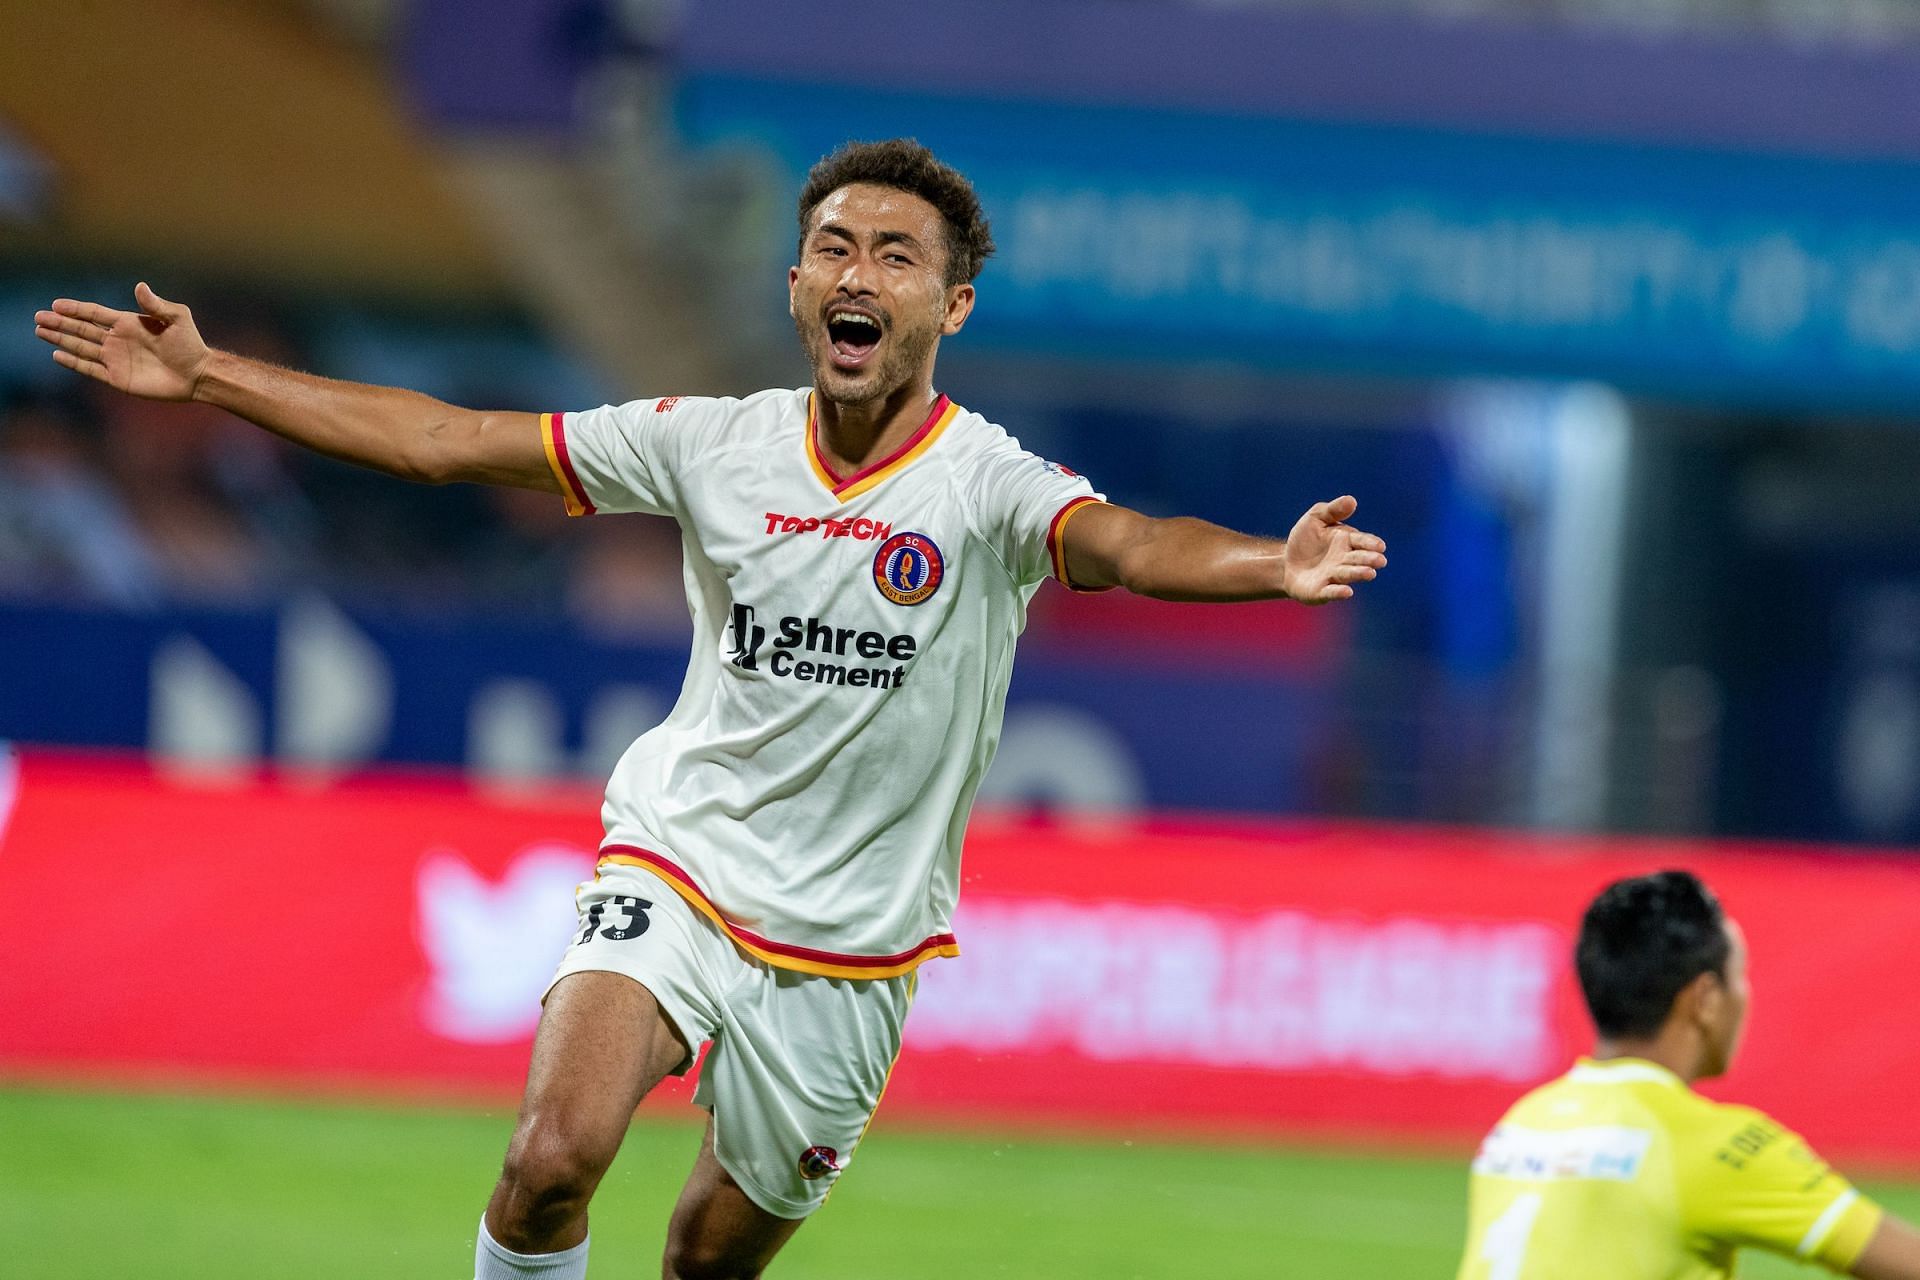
x,y
1892,1254
1188,559
402,433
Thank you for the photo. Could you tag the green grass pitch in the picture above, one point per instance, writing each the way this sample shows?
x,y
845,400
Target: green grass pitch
x,y
96,1185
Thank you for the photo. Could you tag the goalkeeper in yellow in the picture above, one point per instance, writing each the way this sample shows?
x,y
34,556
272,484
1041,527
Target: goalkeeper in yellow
x,y
1618,1170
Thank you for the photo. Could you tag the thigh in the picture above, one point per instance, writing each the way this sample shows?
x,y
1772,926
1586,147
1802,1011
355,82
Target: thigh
x,y
795,1073
603,1044
635,925
716,1229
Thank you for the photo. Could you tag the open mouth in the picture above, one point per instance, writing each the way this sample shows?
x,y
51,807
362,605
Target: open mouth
x,y
853,335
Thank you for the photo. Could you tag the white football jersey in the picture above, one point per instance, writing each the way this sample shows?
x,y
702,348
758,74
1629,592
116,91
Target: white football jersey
x,y
852,641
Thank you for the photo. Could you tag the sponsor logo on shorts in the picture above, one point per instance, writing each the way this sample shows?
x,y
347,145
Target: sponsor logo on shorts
x,y
860,528
908,568
818,1162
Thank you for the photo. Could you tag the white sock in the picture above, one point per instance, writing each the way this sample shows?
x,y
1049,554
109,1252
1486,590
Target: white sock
x,y
494,1261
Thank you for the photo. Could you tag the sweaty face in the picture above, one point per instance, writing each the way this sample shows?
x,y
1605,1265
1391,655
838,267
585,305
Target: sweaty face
x,y
1730,1018
868,296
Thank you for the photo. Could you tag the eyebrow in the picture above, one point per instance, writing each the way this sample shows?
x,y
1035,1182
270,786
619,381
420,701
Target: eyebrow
x,y
880,237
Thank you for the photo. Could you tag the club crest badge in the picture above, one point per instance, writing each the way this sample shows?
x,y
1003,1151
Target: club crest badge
x,y
908,567
818,1162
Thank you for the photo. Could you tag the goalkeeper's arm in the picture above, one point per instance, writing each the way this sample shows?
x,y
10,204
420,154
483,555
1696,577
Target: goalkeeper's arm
x,y
1892,1254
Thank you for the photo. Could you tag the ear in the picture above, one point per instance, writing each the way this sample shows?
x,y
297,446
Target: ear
x,y
1702,1002
793,278
959,307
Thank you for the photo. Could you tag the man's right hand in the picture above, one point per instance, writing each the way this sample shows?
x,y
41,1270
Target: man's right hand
x,y
155,352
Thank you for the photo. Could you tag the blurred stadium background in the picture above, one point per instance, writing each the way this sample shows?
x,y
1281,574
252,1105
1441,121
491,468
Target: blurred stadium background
x,y
1608,310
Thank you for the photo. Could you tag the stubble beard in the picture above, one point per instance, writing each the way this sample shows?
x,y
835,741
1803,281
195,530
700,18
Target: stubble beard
x,y
906,354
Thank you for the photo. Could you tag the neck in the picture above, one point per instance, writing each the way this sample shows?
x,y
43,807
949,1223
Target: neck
x,y
1669,1051
855,435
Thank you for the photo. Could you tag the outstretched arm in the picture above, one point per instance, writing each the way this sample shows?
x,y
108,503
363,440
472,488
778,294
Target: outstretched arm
x,y
1188,559
157,353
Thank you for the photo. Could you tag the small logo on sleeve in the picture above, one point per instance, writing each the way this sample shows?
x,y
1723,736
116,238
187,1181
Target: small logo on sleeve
x,y
1059,469
908,568
818,1162
665,404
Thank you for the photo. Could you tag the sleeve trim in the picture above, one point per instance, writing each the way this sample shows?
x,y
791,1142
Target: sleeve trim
x,y
1056,546
553,436
1824,1224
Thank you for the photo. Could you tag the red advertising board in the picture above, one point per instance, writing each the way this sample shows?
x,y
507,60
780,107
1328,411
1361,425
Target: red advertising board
x,y
1275,979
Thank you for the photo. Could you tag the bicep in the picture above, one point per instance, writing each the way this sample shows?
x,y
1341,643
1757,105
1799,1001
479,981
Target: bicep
x,y
1892,1252
509,449
1096,541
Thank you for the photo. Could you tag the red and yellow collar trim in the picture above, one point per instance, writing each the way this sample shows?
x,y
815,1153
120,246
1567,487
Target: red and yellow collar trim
x,y
944,411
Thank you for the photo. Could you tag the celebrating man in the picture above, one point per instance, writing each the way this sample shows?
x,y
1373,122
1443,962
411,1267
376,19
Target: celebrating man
x,y
782,851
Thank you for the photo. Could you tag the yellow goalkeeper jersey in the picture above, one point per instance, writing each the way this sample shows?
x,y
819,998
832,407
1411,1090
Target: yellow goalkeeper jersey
x,y
1619,1171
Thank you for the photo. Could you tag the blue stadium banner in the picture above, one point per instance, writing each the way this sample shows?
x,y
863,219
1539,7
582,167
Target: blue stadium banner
x,y
1190,236
518,701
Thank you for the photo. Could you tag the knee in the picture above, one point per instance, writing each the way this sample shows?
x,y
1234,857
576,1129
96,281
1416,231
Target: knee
x,y
705,1260
549,1173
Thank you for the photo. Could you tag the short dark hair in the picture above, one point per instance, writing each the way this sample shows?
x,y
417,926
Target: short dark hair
x,y
1641,942
905,165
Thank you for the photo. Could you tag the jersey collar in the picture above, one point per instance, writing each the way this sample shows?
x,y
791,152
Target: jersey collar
x,y
944,411
1623,1071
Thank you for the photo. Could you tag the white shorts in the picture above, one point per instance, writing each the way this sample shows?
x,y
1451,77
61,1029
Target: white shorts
x,y
798,1061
